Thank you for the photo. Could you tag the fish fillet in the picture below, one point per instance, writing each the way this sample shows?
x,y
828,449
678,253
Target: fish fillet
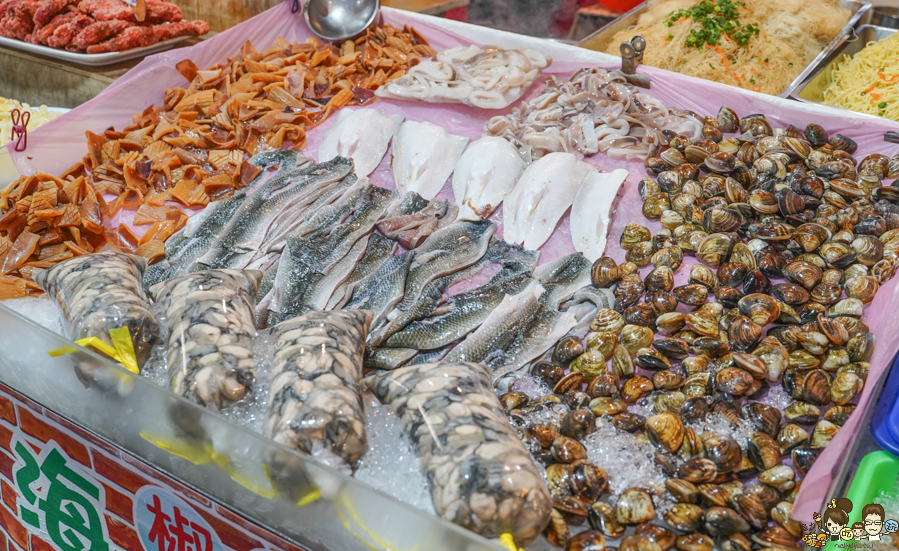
x,y
424,156
542,195
484,175
591,212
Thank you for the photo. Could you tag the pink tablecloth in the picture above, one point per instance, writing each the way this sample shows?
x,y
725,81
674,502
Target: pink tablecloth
x,y
60,143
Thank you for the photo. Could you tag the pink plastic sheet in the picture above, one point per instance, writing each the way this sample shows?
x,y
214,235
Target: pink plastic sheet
x,y
60,143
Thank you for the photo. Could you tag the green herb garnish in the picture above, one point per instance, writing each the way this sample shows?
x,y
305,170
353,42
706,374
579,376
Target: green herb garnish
x,y
882,105
752,81
714,17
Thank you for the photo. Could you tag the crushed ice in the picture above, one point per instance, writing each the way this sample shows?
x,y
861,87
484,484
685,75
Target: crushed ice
x,y
628,461
721,427
777,397
390,464
41,311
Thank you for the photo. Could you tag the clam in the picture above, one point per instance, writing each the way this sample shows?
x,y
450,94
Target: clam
x,y
724,521
714,249
588,540
841,142
603,342
543,435
640,254
835,332
692,446
648,358
766,494
667,379
588,481
694,409
760,308
782,514
822,434
607,320
838,415
571,381
763,450
660,279
634,506
775,357
728,120
639,314
733,381
547,372
512,400
697,470
660,535
698,384
847,307
666,431
862,288
670,181
735,542
703,275
695,542
732,274
567,450
556,531
692,294
836,254
790,436
605,384
685,517
655,205
845,387
602,517
861,347
558,478
775,537
633,235
780,477
667,401
682,490
567,349
751,508
635,388
763,416
577,423
790,293
868,249
803,457
605,405
702,322
637,542
803,273
724,452
754,365
802,413
628,422
622,363
721,162
670,257
661,302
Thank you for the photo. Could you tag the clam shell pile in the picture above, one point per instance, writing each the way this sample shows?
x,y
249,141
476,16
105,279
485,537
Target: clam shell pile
x,y
792,238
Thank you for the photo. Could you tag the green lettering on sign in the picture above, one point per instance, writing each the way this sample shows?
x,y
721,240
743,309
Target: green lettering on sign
x,y
59,498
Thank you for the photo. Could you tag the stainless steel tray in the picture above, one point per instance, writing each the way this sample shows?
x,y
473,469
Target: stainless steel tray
x,y
861,14
811,90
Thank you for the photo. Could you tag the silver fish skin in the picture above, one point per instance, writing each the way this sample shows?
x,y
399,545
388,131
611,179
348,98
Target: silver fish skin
x,y
183,249
100,292
383,289
211,332
376,254
510,319
430,356
542,331
458,315
247,229
563,277
387,358
445,251
318,293
316,395
467,448
308,258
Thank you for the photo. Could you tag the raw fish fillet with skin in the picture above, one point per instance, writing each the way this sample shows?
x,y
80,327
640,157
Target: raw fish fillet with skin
x,y
362,135
424,156
591,211
484,176
542,195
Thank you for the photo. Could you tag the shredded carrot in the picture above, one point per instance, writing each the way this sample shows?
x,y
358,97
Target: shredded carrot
x,y
891,79
737,77
869,88
876,96
722,56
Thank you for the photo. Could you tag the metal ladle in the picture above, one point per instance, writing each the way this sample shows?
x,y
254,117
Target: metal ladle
x,y
336,20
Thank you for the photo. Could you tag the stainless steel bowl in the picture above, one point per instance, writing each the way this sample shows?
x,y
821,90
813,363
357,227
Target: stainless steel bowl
x,y
885,16
337,20
820,77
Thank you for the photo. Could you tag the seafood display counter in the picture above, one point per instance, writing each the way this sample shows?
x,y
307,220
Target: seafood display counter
x,y
340,297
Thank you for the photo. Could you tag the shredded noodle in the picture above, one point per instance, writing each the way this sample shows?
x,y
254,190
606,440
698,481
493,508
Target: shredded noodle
x,y
867,82
39,116
792,33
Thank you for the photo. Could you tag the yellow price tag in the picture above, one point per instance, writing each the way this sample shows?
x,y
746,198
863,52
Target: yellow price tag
x,y
122,350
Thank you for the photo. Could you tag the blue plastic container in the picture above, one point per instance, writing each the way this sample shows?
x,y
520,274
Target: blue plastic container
x,y
885,421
